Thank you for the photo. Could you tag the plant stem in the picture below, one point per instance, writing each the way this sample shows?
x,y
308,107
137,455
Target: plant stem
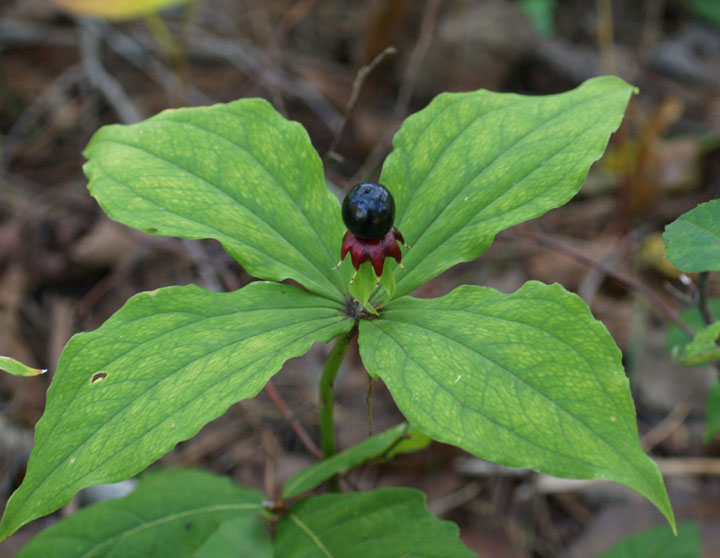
x,y
703,306
327,423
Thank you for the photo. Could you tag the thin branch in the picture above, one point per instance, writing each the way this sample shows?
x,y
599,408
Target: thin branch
x,y
427,28
294,423
669,313
102,80
360,78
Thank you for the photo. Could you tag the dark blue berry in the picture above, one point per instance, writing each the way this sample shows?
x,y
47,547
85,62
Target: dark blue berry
x,y
368,210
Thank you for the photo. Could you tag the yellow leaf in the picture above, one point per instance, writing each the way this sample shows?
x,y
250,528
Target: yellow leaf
x,y
116,9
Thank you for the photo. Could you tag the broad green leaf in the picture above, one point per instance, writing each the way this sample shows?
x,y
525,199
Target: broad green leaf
x,y
235,538
384,523
17,368
528,379
677,338
713,412
165,364
374,446
702,349
239,173
692,241
472,164
117,9
659,542
170,513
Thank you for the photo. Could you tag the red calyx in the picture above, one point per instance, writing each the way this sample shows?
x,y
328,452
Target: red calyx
x,y
373,249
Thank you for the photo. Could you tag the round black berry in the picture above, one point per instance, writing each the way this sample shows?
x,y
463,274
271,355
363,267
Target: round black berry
x,y
368,210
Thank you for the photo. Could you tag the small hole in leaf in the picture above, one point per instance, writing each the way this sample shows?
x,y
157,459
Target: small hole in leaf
x,y
98,376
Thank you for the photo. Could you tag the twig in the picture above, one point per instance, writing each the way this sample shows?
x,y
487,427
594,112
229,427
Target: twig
x,y
631,282
140,57
49,97
427,27
103,81
604,28
666,426
369,401
250,61
294,423
173,50
360,78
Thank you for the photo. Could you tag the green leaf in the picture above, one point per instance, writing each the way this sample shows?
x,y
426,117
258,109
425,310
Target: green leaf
x,y
528,379
713,412
164,365
239,173
677,338
170,513
17,368
374,446
659,542
692,241
708,10
541,14
384,523
472,164
702,349
242,536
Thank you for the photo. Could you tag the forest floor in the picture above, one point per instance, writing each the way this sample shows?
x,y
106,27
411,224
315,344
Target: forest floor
x,y
65,267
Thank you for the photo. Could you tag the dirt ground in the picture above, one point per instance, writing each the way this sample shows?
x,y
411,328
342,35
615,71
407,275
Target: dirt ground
x,y
65,267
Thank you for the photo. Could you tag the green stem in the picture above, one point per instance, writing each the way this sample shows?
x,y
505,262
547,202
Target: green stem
x,y
327,423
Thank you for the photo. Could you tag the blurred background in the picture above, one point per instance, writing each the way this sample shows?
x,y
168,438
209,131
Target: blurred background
x,y
350,71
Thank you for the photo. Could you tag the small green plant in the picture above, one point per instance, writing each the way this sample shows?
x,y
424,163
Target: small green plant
x,y
528,379
692,244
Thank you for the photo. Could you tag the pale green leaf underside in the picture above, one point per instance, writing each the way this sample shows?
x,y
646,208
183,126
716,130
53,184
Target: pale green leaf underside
x,y
238,537
239,173
310,477
472,164
702,349
164,365
692,241
659,542
384,523
17,368
528,379
175,511
713,412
